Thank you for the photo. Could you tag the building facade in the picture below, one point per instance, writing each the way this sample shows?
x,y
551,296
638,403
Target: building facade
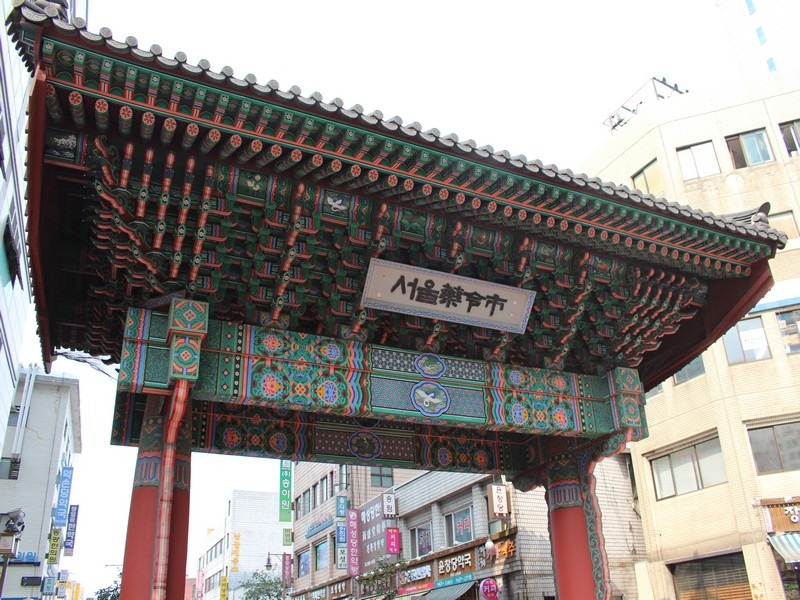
x,y
41,440
719,475
250,533
453,543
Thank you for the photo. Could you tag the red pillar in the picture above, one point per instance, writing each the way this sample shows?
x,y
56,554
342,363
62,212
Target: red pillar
x,y
137,570
580,565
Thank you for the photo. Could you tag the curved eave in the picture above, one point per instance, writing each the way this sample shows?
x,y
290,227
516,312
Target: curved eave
x,y
728,302
35,172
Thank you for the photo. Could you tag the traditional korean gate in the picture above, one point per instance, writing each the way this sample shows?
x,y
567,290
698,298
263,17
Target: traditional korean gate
x,y
283,277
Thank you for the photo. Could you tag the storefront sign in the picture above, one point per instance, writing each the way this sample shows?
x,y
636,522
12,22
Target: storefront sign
x,y
373,533
49,586
286,570
341,533
392,540
72,524
318,594
498,501
223,587
389,506
353,543
489,589
454,569
339,589
320,524
422,292
64,489
285,498
414,580
342,504
784,516
55,547
288,538
341,557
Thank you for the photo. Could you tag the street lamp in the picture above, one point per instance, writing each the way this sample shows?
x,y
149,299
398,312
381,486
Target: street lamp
x,y
268,566
9,540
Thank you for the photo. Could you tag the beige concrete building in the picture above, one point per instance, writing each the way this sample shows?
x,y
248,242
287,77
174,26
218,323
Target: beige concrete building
x,y
719,476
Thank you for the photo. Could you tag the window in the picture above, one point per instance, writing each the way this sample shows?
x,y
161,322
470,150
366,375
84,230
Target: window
x,y
791,137
315,496
750,6
699,160
459,526
306,502
421,540
784,221
9,268
787,323
382,477
771,65
654,391
341,483
716,577
748,149
649,180
324,489
762,39
298,508
321,556
304,563
690,371
776,449
689,469
746,342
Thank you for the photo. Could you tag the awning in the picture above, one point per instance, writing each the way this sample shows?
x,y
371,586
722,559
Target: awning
x,y
787,545
451,592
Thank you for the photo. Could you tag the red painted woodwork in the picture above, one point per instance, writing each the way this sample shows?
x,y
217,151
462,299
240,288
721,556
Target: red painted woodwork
x,y
572,561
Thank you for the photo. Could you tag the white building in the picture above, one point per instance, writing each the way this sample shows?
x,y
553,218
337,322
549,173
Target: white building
x,y
719,474
250,533
43,435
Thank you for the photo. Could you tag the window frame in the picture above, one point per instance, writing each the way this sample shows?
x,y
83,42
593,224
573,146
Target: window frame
x,y
697,470
783,324
383,474
728,339
416,550
738,148
651,167
790,133
779,454
690,371
693,151
451,523
325,552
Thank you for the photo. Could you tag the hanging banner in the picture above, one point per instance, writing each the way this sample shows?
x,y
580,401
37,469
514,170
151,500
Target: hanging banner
x,y
288,538
353,544
389,506
72,525
55,547
498,501
285,512
223,587
342,504
64,489
286,570
49,586
392,540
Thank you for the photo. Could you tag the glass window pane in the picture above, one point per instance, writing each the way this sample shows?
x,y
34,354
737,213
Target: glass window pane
x,y
424,543
662,476
448,525
655,183
765,450
322,556
705,159
683,471
788,438
688,167
756,147
753,339
710,463
788,324
733,347
462,526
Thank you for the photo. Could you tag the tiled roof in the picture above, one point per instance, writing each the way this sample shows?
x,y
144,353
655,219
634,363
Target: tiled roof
x,y
52,13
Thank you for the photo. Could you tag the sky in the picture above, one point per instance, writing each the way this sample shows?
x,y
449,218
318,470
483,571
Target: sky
x,y
534,78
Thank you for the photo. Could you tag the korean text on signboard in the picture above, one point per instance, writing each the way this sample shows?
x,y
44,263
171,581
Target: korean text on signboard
x,y
72,524
54,547
64,489
373,532
285,513
353,543
426,293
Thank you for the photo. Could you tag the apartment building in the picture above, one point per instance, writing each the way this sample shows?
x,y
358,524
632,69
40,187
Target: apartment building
x,y
719,475
42,438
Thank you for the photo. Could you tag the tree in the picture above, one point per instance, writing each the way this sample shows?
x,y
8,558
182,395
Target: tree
x,y
108,593
263,586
